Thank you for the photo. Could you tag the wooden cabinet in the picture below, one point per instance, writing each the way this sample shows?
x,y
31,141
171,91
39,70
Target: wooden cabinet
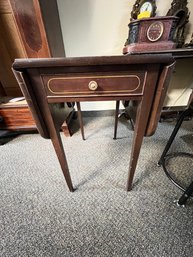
x,y
10,48
28,28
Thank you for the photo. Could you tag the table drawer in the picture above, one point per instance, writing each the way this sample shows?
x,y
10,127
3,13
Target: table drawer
x,y
127,84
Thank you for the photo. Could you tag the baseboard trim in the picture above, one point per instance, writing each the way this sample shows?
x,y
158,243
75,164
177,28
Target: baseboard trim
x,y
102,113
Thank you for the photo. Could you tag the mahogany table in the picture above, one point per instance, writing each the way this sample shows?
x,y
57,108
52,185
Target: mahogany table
x,y
46,83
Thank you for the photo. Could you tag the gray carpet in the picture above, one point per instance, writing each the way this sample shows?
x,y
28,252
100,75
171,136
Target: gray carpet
x,y
40,217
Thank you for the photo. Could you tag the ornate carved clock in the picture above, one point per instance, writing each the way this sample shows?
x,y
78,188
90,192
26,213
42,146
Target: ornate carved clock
x,y
151,34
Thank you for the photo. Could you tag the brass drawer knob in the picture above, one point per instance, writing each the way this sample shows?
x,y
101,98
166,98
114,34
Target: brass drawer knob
x,y
93,85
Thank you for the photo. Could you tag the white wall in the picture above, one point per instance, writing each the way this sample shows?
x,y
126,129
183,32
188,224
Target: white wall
x,y
100,27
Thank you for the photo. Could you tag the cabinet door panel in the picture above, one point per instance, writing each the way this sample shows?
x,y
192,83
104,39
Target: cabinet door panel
x,y
28,17
10,48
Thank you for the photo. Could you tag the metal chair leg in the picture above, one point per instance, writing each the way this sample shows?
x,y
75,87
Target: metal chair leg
x,y
188,192
174,133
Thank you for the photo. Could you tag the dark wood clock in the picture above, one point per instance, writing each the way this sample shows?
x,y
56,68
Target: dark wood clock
x,y
151,34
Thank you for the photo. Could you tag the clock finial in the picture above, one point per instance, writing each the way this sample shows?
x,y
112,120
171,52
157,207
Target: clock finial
x,y
137,8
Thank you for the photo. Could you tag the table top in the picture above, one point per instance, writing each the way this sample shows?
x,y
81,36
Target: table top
x,y
148,57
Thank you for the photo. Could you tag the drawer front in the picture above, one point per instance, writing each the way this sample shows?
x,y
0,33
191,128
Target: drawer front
x,y
107,85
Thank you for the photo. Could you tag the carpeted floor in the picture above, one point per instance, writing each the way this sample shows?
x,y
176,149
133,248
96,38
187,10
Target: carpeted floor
x,y
40,217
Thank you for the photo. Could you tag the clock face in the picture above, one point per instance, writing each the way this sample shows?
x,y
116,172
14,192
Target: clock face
x,y
155,31
146,7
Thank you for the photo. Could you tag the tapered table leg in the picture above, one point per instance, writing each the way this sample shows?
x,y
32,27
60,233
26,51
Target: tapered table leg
x,y
136,146
57,143
139,132
80,119
116,119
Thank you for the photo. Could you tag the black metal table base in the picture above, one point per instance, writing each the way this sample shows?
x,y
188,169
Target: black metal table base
x,y
187,192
